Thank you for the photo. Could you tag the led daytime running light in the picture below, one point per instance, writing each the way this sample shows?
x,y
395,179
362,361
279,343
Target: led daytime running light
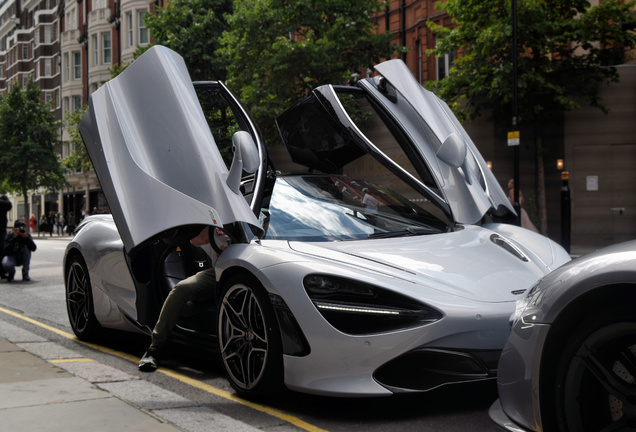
x,y
356,309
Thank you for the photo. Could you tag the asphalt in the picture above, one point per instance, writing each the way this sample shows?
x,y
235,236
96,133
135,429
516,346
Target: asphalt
x,y
47,387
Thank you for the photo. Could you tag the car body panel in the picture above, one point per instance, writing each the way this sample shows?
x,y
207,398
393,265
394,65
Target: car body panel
x,y
520,366
153,157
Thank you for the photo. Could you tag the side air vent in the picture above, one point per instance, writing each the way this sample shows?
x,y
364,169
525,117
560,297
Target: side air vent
x,y
504,243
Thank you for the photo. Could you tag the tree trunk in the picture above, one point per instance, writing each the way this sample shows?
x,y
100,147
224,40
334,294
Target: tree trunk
x,y
25,194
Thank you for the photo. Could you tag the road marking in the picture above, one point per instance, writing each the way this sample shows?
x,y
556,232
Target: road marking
x,y
75,360
173,374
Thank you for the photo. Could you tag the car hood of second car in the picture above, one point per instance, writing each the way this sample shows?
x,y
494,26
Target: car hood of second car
x,y
154,154
466,263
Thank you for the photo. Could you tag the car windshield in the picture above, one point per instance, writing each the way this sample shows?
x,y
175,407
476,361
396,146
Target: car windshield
x,y
332,207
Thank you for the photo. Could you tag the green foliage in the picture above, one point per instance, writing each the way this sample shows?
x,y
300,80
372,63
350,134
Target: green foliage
x,y
566,49
278,50
28,136
78,159
193,29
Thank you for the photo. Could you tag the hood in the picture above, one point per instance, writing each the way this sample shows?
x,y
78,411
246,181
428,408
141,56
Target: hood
x,y
466,263
154,154
324,132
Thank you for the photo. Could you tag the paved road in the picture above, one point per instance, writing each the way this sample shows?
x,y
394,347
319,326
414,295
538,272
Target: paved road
x,y
190,393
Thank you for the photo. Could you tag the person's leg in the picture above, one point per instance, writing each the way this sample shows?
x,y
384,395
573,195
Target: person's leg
x,y
8,265
197,287
26,264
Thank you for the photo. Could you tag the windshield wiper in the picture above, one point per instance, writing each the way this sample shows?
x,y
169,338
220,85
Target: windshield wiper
x,y
410,231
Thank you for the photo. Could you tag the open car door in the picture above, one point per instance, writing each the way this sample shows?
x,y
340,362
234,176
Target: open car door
x,y
406,129
154,154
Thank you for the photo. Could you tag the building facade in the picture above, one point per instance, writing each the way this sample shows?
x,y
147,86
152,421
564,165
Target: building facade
x,y
68,48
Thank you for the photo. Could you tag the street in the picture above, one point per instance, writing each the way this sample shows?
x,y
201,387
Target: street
x,y
194,378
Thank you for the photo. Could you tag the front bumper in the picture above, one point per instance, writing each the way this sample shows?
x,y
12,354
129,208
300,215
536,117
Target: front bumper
x,y
497,415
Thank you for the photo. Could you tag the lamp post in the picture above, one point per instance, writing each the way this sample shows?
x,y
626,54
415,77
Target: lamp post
x,y
515,112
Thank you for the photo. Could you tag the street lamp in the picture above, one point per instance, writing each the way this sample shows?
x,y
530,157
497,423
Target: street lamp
x,y
515,109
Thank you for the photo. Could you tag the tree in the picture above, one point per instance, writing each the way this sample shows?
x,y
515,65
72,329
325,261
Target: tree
x,y
78,159
567,48
278,50
193,29
28,136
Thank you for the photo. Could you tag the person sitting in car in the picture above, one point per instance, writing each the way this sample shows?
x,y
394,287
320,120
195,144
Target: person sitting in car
x,y
197,287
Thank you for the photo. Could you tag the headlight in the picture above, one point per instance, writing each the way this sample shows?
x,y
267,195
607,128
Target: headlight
x,y
356,308
528,309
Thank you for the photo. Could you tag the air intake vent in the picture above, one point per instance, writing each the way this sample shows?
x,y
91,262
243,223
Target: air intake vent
x,y
504,243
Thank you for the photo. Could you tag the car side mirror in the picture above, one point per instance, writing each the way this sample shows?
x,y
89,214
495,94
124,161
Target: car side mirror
x,y
245,159
453,151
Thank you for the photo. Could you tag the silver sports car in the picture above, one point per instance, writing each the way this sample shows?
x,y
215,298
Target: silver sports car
x,y
366,259
570,362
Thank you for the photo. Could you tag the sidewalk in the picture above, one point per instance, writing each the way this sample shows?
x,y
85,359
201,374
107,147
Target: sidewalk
x,y
47,387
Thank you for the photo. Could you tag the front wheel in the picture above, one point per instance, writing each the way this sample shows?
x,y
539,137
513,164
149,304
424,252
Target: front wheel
x,y
249,340
596,378
79,301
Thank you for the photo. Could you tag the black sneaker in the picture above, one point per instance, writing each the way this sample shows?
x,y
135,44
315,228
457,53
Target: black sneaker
x,y
150,361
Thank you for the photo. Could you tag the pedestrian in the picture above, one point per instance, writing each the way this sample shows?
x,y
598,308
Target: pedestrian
x,y
59,223
42,225
525,218
33,223
70,223
198,287
18,246
5,207
51,221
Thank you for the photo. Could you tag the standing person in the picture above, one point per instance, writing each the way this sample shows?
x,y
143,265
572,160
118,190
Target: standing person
x,y
525,219
70,223
198,287
51,222
18,246
42,228
5,206
33,222
59,223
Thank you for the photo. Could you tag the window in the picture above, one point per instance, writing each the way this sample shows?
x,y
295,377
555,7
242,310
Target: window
x,y
106,48
129,26
71,20
47,67
47,97
77,103
444,64
143,31
25,51
95,50
77,65
47,34
25,80
67,69
66,106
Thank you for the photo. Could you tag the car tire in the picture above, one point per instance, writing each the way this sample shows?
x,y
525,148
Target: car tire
x,y
79,301
596,375
250,345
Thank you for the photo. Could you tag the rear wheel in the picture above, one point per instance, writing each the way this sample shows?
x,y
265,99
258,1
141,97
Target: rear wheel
x,y
596,377
79,301
249,339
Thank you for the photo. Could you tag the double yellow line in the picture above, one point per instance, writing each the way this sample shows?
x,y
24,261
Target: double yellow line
x,y
176,375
